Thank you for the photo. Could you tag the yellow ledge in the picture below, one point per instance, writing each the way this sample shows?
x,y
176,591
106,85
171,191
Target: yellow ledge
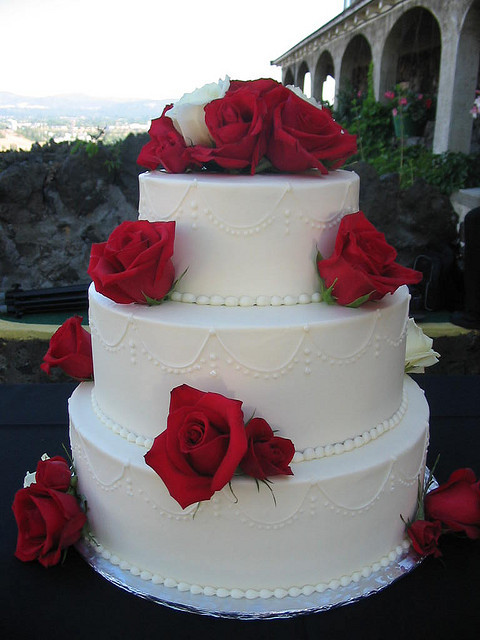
x,y
442,329
26,331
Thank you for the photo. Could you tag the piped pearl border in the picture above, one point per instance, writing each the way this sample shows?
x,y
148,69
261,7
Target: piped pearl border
x,y
251,594
354,443
123,432
300,456
246,301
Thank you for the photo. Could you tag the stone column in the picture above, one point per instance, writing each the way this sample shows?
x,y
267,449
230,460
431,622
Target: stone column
x,y
456,91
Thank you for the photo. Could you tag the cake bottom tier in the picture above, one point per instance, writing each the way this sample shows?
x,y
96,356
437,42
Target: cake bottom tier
x,y
336,519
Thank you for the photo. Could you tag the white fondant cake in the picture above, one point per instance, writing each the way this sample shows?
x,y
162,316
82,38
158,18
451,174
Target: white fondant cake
x,y
246,322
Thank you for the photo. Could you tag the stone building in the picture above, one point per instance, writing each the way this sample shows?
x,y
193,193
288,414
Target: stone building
x,y
431,44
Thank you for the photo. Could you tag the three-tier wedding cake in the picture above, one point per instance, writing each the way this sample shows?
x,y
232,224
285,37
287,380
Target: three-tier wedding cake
x,y
250,430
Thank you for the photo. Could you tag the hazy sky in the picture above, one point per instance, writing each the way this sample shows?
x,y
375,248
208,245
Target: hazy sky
x,y
148,49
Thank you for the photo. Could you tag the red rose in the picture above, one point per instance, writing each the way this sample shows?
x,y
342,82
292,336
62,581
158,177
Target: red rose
x,y
236,124
456,503
424,536
166,147
70,349
363,263
48,522
135,262
267,454
305,137
260,87
202,446
53,473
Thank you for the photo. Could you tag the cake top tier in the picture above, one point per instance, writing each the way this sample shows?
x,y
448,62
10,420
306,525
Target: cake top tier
x,y
246,240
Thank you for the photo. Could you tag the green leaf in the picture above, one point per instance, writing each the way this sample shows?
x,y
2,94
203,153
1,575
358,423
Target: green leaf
x,y
232,491
177,281
263,165
327,294
152,302
359,301
267,483
196,510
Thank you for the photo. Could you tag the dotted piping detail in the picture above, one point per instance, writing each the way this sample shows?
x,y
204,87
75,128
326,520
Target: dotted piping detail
x,y
123,432
251,594
300,456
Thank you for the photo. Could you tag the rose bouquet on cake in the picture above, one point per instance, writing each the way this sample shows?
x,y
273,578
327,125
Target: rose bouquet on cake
x,y
253,125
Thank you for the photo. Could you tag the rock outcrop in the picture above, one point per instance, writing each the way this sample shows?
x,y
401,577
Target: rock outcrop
x,y
55,201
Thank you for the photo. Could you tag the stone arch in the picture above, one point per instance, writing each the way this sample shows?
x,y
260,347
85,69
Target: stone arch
x,y
301,73
355,62
288,77
412,53
323,69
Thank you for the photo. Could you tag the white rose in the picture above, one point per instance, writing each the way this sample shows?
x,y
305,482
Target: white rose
x,y
419,353
188,113
297,91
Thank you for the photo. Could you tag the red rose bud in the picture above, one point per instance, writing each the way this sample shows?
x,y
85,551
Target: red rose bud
x,y
70,349
48,522
267,454
135,265
305,136
166,147
456,503
424,536
362,265
53,473
202,446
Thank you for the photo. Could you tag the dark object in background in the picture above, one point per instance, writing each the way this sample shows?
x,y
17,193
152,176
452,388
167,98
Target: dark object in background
x,y
441,288
18,302
469,317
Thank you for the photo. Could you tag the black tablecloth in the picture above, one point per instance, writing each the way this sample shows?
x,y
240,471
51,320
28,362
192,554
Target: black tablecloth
x,y
439,599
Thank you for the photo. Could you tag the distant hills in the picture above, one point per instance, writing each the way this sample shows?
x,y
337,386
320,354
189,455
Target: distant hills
x,y
68,106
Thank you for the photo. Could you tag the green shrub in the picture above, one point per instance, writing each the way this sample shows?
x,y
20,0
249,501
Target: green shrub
x,y
371,122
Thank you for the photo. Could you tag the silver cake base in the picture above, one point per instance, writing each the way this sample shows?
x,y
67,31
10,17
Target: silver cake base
x,y
245,609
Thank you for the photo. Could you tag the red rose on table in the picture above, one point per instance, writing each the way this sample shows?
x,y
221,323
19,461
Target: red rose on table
x,y
236,124
456,503
305,136
48,522
53,473
424,536
135,262
267,454
70,349
362,264
166,147
202,446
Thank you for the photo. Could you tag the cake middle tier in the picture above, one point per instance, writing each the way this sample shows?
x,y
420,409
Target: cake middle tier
x,y
320,375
